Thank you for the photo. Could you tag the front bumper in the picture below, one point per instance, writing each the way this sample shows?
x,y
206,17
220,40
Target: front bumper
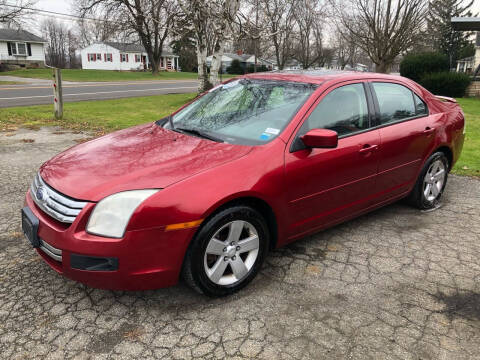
x,y
147,259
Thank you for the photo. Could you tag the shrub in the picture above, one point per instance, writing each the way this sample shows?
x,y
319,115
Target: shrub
x,y
235,68
414,66
260,68
446,83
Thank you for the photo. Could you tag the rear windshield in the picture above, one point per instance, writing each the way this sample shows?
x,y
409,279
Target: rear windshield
x,y
248,112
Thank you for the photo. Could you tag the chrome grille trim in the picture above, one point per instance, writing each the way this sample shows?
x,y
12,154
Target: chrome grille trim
x,y
55,204
54,253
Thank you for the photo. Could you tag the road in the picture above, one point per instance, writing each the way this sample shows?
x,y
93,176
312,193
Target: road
x,y
42,93
397,283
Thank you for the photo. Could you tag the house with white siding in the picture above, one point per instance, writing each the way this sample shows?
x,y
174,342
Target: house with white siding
x,y
19,47
123,56
245,60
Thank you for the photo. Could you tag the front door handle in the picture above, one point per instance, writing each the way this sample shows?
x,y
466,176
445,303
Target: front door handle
x,y
428,130
367,148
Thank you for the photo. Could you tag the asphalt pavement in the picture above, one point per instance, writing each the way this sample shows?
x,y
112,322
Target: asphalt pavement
x,y
41,92
394,284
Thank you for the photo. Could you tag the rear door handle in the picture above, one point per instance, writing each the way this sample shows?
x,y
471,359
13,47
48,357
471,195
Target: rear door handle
x,y
428,130
367,148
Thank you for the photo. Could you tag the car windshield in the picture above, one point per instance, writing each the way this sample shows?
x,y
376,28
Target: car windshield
x,y
247,112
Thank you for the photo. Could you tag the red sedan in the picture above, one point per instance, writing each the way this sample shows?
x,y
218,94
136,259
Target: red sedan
x,y
251,165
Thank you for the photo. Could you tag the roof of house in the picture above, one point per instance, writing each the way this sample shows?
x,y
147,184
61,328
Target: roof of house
x,y
19,35
233,56
132,47
466,23
467,59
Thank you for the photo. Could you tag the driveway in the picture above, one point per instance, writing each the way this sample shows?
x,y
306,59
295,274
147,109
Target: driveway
x,y
394,284
41,92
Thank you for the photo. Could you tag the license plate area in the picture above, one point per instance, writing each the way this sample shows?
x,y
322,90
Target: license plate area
x,y
30,227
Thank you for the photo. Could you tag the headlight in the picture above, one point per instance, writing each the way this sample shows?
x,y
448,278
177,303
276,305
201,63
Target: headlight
x,y
111,215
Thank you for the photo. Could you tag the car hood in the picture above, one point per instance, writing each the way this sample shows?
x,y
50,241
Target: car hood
x,y
145,156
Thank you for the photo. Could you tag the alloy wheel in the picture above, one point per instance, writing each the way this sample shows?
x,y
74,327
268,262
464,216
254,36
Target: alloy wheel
x,y
231,252
434,180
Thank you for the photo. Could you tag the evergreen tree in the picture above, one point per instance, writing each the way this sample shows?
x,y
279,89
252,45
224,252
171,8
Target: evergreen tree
x,y
184,47
445,39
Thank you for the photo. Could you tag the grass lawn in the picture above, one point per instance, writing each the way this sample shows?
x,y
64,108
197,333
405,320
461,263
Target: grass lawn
x,y
100,75
469,162
98,116
108,115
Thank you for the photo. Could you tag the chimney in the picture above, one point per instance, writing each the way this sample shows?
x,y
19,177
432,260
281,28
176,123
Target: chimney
x,y
239,52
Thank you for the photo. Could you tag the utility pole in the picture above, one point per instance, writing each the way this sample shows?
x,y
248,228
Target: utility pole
x,y
57,93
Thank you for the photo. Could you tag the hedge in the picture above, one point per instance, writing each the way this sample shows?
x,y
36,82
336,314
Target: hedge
x,y
446,83
415,66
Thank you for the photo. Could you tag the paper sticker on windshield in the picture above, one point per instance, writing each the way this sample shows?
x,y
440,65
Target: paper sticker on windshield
x,y
265,136
272,131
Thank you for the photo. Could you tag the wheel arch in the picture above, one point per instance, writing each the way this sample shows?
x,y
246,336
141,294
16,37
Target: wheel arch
x,y
258,204
448,153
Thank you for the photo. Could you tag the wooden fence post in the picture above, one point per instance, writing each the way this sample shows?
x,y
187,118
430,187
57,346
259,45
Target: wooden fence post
x,y
57,93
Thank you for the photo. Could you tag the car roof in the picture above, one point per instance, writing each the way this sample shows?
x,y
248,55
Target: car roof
x,y
319,76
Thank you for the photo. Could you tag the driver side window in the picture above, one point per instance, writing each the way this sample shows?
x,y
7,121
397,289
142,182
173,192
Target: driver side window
x,y
343,110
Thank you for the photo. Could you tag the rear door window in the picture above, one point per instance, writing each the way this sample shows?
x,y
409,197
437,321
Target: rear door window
x,y
395,102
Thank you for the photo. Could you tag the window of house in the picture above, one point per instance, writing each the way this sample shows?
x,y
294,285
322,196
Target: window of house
x,y
22,49
395,102
343,110
108,57
99,57
92,57
138,58
19,49
123,57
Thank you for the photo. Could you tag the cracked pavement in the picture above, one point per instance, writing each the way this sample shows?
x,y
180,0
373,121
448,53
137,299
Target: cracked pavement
x,y
394,284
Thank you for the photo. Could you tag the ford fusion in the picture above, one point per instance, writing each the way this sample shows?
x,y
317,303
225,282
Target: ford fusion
x,y
249,166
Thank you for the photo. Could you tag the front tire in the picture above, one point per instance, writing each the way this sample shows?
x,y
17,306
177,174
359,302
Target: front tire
x,y
227,252
431,182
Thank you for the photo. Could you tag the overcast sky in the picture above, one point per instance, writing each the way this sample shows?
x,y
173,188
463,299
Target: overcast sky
x,y
64,6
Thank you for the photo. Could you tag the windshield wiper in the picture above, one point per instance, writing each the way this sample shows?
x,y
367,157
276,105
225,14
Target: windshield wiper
x,y
198,133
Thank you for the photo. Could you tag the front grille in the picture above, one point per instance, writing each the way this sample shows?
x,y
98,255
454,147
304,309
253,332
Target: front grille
x,y
58,206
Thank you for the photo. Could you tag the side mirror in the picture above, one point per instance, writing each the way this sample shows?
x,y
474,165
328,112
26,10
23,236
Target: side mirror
x,y
320,138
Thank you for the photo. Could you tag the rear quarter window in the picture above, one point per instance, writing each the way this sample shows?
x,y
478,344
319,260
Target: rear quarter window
x,y
420,106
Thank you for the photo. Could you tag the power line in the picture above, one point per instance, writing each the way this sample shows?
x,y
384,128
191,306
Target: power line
x,y
56,13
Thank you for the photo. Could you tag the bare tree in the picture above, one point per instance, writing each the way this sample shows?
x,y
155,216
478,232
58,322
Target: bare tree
x,y
346,49
279,21
12,11
383,29
151,20
309,17
90,32
214,18
56,35
72,46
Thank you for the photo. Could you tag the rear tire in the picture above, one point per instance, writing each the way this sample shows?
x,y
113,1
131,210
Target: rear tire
x,y
431,182
227,252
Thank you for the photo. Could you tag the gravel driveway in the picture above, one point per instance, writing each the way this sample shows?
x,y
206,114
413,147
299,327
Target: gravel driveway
x,y
394,284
